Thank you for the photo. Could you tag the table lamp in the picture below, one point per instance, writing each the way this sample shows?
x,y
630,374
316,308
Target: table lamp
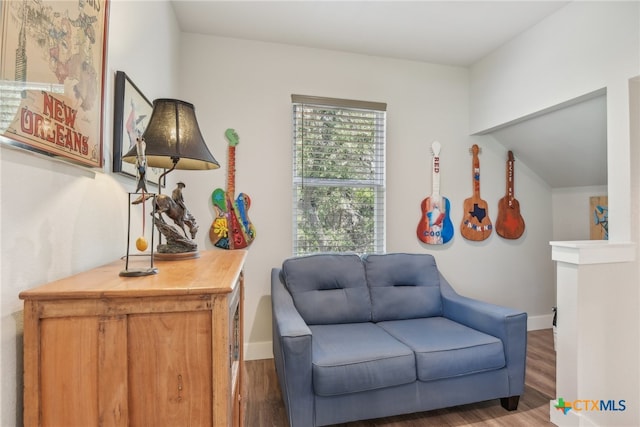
x,y
174,141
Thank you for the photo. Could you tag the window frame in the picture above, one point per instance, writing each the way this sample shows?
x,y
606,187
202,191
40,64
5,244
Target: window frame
x,y
377,183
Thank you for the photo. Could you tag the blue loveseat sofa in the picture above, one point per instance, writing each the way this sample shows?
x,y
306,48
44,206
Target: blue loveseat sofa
x,y
360,337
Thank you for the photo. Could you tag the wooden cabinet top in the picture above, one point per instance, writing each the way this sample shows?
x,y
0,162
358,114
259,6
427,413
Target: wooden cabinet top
x,y
215,271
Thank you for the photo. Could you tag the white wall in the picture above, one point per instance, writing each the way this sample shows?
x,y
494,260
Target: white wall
x,y
58,219
247,86
584,47
571,215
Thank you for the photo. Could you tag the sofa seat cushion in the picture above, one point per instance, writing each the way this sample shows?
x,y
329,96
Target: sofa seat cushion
x,y
355,357
445,348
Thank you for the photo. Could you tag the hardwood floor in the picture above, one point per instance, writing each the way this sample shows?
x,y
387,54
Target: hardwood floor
x,y
264,407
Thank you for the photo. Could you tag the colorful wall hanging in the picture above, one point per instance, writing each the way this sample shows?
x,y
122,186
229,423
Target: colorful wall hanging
x,y
435,226
231,229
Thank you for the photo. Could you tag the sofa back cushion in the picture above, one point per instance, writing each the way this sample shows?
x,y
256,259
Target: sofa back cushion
x,y
328,288
403,286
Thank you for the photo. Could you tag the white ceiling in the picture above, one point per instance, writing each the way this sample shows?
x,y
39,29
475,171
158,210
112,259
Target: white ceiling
x,y
443,32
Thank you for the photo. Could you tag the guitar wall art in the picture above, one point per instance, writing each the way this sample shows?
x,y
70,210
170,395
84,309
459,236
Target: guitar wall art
x,y
435,226
231,229
509,224
476,224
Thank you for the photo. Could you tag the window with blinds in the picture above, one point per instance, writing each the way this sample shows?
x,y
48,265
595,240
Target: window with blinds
x,y
338,175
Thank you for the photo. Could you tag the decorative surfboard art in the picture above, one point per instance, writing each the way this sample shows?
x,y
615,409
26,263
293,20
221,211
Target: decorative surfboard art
x,y
231,229
509,223
435,226
476,224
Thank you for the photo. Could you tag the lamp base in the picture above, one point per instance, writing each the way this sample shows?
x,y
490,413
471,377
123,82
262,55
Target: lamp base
x,y
170,256
137,272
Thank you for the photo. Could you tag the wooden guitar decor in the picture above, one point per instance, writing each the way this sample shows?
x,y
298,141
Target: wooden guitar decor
x,y
476,224
435,226
509,223
231,229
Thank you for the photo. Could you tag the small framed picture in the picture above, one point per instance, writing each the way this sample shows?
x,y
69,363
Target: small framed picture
x,y
132,111
599,210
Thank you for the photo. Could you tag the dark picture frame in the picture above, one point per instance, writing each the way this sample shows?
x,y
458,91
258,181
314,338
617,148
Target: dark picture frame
x,y
52,78
131,114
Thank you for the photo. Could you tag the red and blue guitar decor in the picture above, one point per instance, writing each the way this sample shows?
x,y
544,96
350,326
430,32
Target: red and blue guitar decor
x,y
231,229
435,226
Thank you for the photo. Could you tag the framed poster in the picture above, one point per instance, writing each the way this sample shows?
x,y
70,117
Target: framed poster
x,y
52,77
132,111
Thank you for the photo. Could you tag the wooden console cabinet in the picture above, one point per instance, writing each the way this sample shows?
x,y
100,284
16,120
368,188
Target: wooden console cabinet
x,y
160,350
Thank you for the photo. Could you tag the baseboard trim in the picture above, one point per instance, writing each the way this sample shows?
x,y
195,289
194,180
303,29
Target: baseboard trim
x,y
258,350
264,349
544,321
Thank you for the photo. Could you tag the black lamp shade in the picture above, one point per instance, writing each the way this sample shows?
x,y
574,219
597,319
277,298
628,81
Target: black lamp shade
x,y
173,135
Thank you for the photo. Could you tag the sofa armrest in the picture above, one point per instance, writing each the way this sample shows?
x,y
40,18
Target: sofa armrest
x,y
507,324
292,354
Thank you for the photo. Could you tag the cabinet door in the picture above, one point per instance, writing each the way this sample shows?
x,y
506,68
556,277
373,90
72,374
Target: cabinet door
x,y
83,376
170,369
69,371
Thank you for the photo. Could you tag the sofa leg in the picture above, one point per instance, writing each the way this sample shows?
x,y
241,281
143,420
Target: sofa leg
x,y
510,403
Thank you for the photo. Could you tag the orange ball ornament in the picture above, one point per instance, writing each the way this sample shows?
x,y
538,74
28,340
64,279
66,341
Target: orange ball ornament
x,y
141,244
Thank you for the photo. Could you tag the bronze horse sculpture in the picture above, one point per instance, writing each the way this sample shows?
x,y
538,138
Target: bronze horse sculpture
x,y
180,216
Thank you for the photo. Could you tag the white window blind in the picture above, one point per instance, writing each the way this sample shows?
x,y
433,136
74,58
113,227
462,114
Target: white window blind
x,y
338,175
